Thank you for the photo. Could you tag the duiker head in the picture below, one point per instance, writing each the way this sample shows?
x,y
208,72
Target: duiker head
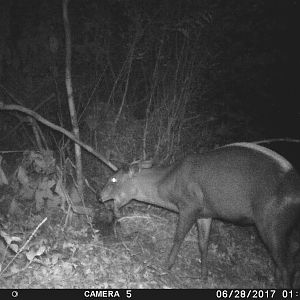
x,y
122,186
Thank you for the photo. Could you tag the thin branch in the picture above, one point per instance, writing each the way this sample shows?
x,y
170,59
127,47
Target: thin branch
x,y
276,140
92,94
8,135
59,129
23,247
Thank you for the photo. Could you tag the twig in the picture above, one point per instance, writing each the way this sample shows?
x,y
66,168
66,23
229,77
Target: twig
x,y
23,269
277,140
23,247
92,94
130,60
59,129
12,151
8,135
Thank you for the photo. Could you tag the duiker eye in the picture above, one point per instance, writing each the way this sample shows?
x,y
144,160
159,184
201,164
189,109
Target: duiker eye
x,y
114,179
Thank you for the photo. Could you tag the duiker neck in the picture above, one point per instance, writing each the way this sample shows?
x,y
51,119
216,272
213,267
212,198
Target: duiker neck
x,y
147,182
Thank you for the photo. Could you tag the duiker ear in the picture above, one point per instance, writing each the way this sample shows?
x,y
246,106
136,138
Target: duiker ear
x,y
136,166
146,164
133,169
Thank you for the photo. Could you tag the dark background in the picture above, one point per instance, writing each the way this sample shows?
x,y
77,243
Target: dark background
x,y
234,61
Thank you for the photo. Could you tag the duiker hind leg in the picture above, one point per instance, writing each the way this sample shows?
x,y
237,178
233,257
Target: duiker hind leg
x,y
276,240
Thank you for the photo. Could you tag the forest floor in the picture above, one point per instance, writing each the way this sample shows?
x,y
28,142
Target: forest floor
x,y
133,253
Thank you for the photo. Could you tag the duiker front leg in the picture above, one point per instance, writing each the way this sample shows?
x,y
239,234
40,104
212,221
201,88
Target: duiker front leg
x,y
187,218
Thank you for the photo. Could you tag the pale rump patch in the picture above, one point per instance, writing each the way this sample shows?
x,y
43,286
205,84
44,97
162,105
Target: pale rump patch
x,y
282,162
